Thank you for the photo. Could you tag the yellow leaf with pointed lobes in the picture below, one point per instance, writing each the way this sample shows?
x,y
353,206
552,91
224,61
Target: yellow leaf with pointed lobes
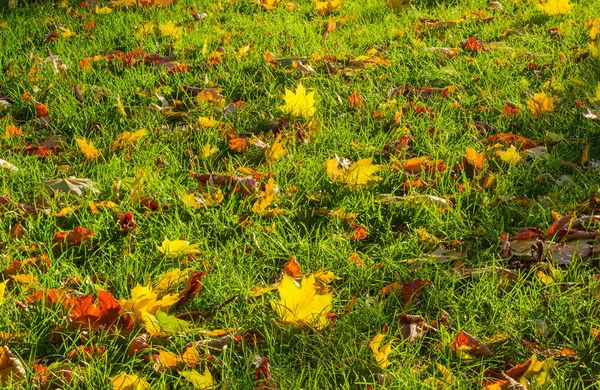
x,y
301,303
177,248
381,353
300,103
276,150
510,156
128,382
87,148
555,7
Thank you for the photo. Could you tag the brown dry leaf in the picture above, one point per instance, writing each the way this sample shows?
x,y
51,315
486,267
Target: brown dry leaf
x,y
412,326
71,184
12,369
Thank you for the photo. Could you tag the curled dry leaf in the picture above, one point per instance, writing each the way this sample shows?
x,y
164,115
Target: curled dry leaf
x,y
412,326
71,185
466,346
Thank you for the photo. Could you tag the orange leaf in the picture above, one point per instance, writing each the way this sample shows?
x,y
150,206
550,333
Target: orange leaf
x,y
42,109
238,145
292,268
474,158
466,346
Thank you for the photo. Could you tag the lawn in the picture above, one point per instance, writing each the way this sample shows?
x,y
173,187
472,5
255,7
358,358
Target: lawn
x,y
267,194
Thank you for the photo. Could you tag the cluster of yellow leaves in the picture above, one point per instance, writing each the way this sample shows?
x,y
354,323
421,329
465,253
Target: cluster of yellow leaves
x,y
540,104
65,211
168,29
300,103
325,8
145,301
359,174
555,7
268,196
212,197
177,248
594,26
128,138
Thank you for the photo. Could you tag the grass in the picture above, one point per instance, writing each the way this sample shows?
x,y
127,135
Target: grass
x,y
240,249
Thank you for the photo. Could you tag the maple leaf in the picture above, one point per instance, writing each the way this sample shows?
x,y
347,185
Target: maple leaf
x,y
144,301
170,30
77,236
261,206
357,175
475,159
127,138
170,280
325,8
13,131
381,353
65,32
540,104
275,151
197,380
87,148
268,5
176,248
208,151
164,325
555,7
165,360
300,103
129,382
103,10
302,303
510,156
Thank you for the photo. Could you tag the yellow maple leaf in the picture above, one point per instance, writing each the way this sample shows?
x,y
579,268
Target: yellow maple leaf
x,y
128,382
268,5
145,301
144,30
127,138
325,8
207,122
302,303
555,7
197,380
447,381
300,103
65,32
2,291
275,150
170,30
170,280
381,354
208,151
357,175
177,248
87,148
103,10
540,104
510,156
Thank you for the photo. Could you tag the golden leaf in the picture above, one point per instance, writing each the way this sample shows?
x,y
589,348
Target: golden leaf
x,y
555,7
2,291
357,175
87,148
177,248
128,382
300,103
144,301
540,104
208,151
381,354
170,280
510,156
325,8
302,303
65,32
127,138
474,158
197,380
268,5
169,30
103,10
260,207
275,151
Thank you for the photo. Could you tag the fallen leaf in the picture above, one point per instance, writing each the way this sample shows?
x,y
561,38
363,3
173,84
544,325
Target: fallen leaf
x,y
302,303
128,382
300,103
197,380
466,346
71,184
381,353
176,248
